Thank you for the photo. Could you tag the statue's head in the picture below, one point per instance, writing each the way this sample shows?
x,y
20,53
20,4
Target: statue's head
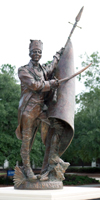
x,y
35,50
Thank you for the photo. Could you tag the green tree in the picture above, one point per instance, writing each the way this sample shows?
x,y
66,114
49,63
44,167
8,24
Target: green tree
x,y
87,126
9,97
91,77
9,100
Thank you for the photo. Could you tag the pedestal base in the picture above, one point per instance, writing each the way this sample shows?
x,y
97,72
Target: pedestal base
x,y
67,193
47,181
37,185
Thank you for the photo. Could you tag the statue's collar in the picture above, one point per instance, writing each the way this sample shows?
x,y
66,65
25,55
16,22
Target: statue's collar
x,y
33,66
34,63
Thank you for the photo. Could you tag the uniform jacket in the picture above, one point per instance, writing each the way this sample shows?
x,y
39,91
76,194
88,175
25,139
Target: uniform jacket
x,y
34,85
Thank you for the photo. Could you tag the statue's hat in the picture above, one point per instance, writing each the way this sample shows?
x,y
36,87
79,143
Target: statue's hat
x,y
35,44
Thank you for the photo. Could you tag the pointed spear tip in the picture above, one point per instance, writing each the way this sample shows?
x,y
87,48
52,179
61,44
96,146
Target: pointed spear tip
x,y
82,9
79,14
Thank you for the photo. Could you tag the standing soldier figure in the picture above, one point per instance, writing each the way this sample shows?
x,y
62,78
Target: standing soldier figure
x,y
35,84
38,87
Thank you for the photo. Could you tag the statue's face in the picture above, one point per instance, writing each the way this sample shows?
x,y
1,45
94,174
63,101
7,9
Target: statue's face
x,y
36,54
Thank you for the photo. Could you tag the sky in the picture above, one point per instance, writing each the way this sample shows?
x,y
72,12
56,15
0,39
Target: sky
x,y
47,20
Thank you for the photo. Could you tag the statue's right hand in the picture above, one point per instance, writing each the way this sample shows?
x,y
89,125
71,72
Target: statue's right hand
x,y
54,83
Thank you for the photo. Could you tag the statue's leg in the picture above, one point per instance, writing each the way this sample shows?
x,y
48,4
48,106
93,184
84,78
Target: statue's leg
x,y
54,157
47,151
52,160
27,134
52,145
52,163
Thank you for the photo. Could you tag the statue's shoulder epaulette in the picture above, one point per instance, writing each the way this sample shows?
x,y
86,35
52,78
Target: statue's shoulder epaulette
x,y
22,67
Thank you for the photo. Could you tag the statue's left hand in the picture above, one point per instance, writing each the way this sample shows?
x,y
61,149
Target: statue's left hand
x,y
60,52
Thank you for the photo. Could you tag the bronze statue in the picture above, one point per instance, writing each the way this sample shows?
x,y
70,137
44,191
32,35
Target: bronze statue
x,y
36,85
37,106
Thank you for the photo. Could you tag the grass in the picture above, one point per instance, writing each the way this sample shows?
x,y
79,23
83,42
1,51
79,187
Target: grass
x,y
3,173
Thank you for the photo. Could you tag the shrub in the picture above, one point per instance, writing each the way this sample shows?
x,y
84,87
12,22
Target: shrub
x,y
84,169
6,181
78,180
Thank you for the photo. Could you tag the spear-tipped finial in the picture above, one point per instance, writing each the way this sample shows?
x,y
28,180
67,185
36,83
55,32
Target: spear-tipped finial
x,y
79,14
74,25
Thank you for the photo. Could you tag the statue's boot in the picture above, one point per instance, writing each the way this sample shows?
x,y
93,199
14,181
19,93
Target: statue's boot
x,y
53,155
25,155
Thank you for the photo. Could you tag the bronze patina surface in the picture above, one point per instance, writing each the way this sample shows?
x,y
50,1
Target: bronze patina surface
x,y
47,98
47,101
37,83
61,112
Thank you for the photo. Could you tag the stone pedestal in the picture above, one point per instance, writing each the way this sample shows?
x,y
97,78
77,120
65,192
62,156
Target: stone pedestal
x,y
67,193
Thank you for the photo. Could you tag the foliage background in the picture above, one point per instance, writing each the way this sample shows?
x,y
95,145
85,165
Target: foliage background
x,y
9,100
